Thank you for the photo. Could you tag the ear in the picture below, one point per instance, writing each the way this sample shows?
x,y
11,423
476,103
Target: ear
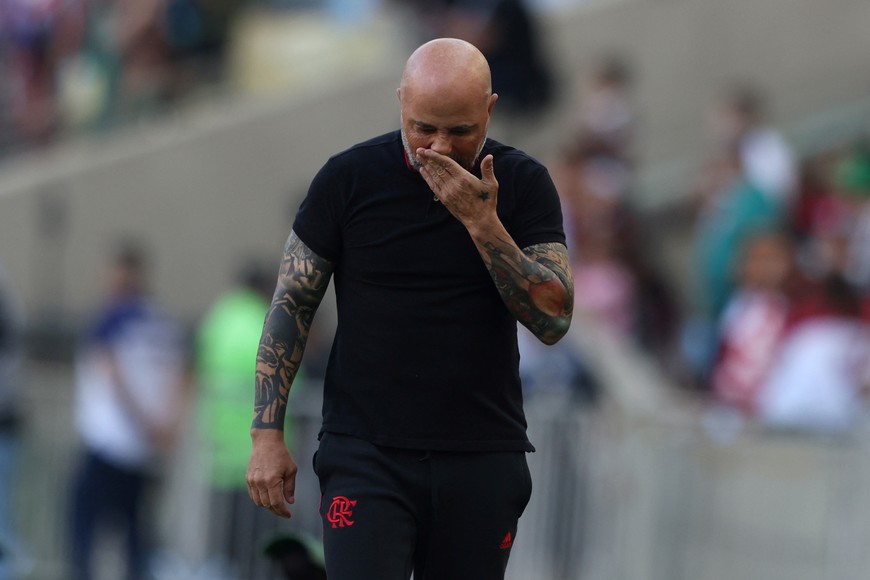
x,y
399,94
492,99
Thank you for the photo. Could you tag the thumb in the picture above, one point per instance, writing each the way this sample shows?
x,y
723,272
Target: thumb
x,y
487,171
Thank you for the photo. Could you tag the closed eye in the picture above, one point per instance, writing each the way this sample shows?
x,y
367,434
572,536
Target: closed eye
x,y
458,131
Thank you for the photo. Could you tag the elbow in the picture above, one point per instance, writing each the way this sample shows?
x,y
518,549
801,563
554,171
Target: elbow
x,y
556,331
550,339
552,303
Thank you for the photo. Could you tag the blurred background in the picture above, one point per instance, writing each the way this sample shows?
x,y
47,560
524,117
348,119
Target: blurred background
x,y
704,419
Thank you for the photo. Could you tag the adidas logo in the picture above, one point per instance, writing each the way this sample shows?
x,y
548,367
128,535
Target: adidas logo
x,y
507,542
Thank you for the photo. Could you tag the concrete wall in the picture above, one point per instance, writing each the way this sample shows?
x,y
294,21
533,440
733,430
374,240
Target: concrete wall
x,y
221,181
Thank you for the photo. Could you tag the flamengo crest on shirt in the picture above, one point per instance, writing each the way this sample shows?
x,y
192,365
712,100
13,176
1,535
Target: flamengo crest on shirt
x,y
340,511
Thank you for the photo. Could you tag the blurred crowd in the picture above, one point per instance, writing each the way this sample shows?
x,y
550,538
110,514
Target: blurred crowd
x,y
68,66
782,255
776,327
73,66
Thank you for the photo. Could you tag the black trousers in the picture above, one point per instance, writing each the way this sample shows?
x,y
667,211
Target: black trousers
x,y
443,515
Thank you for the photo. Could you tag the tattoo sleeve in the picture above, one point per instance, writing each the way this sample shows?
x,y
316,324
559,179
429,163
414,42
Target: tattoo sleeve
x,y
302,281
536,284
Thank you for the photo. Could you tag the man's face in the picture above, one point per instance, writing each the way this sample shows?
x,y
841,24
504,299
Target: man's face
x,y
453,125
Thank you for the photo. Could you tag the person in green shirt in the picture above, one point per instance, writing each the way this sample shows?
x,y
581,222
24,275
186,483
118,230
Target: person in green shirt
x,y
227,343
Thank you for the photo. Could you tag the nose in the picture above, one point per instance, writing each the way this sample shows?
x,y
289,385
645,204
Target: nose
x,y
442,144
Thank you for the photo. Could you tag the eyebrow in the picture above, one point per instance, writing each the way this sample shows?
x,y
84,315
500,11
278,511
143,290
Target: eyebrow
x,y
462,127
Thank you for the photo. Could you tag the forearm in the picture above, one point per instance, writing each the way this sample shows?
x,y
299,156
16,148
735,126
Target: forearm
x,y
302,282
279,357
536,284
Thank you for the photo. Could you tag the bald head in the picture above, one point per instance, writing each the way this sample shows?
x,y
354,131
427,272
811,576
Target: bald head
x,y
446,100
447,65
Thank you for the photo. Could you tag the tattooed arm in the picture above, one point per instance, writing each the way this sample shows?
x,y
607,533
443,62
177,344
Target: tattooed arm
x,y
302,282
535,283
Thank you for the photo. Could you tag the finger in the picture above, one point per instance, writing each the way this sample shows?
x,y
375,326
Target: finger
x,y
290,491
487,170
281,511
434,161
427,156
261,499
258,495
275,501
254,488
437,170
253,494
436,183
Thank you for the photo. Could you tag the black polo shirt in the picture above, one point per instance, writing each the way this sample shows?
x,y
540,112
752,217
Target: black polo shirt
x,y
425,353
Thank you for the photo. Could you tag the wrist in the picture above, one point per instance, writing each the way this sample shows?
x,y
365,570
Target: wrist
x,y
267,434
484,228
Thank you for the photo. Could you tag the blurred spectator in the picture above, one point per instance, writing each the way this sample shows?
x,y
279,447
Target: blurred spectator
x,y
729,209
133,41
605,112
853,179
739,120
88,79
820,208
35,35
608,286
615,282
227,344
732,209
592,186
11,349
608,243
753,320
130,398
822,372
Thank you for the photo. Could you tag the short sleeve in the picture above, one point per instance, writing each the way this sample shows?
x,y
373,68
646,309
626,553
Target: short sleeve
x,y
538,213
317,223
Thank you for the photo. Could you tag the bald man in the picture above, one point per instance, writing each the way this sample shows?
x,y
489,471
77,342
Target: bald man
x,y
439,240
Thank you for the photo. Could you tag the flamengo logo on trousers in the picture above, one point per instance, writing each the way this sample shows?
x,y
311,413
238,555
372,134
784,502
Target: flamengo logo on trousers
x,y
340,511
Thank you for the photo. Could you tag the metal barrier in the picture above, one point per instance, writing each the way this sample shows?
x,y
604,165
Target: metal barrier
x,y
619,494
